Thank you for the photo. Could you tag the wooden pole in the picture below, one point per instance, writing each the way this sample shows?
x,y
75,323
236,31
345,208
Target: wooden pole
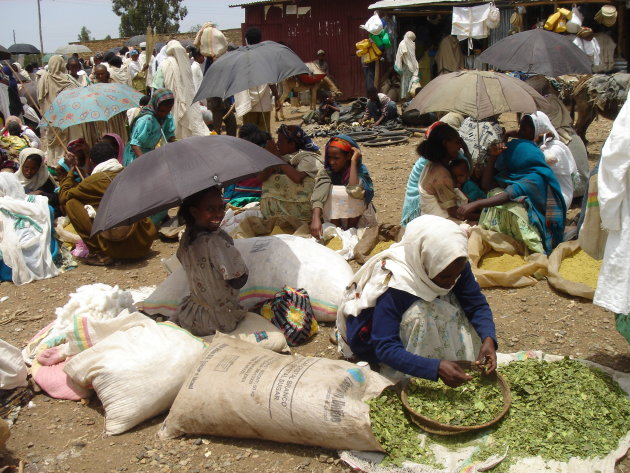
x,y
39,20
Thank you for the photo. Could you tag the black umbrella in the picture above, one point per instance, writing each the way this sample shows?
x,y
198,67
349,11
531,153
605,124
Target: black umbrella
x,y
249,66
537,51
136,40
21,48
114,50
163,178
4,53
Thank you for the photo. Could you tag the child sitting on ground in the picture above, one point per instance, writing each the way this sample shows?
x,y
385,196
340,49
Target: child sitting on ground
x,y
460,170
214,267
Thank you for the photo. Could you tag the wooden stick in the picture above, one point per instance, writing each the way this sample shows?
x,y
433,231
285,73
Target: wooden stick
x,y
21,467
230,111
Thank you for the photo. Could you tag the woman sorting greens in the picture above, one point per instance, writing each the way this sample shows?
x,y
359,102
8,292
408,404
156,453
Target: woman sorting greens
x,y
416,307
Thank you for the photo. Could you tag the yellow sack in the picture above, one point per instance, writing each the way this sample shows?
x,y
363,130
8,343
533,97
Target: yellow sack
x,y
566,14
561,27
552,21
363,47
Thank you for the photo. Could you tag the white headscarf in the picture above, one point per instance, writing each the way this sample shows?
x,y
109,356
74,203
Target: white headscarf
x,y
159,59
429,245
42,175
24,232
406,54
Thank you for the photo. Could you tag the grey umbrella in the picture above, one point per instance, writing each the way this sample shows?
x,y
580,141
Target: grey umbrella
x,y
537,51
163,178
21,48
249,66
136,40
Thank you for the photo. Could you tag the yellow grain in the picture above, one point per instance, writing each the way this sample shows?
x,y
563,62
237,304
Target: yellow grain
x,y
334,243
277,231
503,262
381,246
580,267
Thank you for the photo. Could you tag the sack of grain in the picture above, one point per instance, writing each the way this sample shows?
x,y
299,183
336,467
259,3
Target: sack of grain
x,y
137,373
211,41
273,263
515,269
238,390
572,271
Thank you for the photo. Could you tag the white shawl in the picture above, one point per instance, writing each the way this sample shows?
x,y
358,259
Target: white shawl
x,y
429,245
25,229
111,165
42,175
178,79
613,287
406,54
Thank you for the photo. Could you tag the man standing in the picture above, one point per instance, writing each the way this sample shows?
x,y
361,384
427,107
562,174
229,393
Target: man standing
x,y
137,72
254,105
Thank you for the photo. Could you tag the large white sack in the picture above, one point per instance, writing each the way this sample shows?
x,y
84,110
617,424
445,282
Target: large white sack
x,y
12,367
273,263
137,373
240,390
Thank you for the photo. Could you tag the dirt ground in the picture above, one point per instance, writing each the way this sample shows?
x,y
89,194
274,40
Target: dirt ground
x,y
64,436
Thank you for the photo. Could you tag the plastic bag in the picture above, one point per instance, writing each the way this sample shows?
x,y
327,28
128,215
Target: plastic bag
x,y
494,17
574,24
374,25
12,367
482,241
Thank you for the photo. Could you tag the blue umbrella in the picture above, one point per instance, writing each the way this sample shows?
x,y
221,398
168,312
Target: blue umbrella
x,y
94,103
250,66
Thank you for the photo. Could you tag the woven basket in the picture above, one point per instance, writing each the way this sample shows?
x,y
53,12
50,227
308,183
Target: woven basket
x,y
435,427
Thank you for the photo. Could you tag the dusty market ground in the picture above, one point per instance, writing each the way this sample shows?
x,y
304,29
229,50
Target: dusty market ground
x,y
64,436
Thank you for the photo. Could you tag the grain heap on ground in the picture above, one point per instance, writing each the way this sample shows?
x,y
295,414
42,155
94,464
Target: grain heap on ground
x,y
503,262
581,268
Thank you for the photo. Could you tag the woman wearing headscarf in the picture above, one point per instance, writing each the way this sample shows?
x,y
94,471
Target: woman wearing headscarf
x,y
26,243
287,189
178,78
528,205
34,176
52,83
416,307
153,123
116,142
406,65
343,189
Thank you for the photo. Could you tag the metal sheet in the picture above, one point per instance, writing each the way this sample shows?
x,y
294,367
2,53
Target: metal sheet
x,y
331,25
389,4
259,2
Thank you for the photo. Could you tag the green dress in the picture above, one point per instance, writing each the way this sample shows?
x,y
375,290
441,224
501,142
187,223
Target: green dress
x,y
146,133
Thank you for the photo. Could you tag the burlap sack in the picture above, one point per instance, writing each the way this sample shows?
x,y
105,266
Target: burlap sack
x,y
482,241
239,390
374,235
555,278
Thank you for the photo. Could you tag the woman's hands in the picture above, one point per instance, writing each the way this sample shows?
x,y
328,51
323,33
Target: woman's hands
x,y
356,155
487,356
316,223
496,149
466,211
452,374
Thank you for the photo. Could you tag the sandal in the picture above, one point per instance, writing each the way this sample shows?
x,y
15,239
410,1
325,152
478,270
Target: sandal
x,y
94,259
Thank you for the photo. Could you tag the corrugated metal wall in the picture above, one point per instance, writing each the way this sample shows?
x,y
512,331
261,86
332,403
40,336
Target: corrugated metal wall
x,y
331,25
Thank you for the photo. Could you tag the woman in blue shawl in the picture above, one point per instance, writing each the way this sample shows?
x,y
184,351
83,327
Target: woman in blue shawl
x,y
530,207
343,189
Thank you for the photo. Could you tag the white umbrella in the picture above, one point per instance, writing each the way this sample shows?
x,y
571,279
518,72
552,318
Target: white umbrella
x,y
73,48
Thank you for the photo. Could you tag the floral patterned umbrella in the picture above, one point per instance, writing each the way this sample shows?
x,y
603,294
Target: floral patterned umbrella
x,y
94,103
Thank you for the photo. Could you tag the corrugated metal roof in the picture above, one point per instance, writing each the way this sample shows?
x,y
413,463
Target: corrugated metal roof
x,y
386,4
259,2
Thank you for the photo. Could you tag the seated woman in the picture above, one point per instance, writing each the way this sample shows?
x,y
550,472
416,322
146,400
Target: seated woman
x,y
153,123
287,189
15,140
27,132
437,190
416,307
529,207
343,189
34,176
248,190
27,247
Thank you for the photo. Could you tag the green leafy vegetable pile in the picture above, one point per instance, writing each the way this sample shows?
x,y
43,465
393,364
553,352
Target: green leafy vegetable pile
x,y
559,410
476,402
